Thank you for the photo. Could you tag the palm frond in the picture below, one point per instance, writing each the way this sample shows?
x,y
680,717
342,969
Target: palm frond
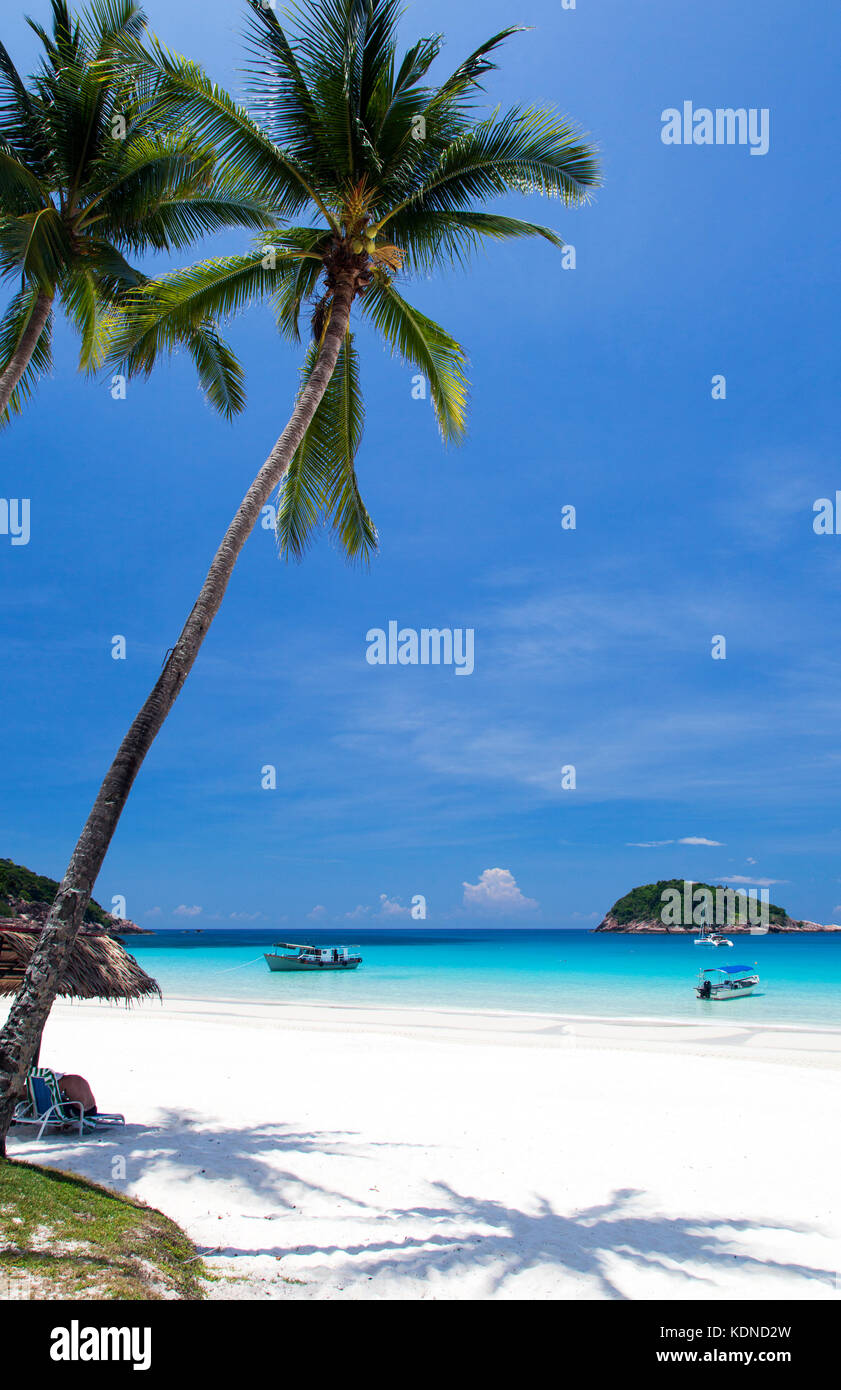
x,y
434,238
220,374
321,484
300,278
525,151
83,303
182,219
36,246
144,169
23,129
280,95
425,344
403,100
114,277
105,22
20,190
216,119
466,77
216,288
343,425
301,492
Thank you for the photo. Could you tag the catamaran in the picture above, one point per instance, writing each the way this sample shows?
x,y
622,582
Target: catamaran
x,y
712,938
312,957
726,982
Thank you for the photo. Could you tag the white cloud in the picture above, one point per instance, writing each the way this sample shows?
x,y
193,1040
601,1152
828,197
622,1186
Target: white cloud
x,y
184,911
392,907
244,916
687,840
319,911
496,891
757,882
389,907
152,912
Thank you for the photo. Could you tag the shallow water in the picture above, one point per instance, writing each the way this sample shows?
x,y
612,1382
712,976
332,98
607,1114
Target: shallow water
x,y
573,972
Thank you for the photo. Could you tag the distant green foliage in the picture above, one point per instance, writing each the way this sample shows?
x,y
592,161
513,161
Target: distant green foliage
x,y
18,882
644,904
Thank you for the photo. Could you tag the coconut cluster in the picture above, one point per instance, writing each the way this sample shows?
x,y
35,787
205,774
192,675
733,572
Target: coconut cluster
x,y
366,242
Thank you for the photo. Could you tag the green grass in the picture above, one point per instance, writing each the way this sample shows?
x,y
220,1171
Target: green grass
x,y
64,1237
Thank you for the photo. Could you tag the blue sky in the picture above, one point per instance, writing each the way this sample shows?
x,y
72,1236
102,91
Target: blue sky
x,y
590,387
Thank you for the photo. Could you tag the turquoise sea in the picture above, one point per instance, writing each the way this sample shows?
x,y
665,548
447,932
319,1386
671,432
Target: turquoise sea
x,y
569,972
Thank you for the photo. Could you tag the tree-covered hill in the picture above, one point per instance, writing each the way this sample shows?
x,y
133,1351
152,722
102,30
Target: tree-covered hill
x,y
645,904
22,884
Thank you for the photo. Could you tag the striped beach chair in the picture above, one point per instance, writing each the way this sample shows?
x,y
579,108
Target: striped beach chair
x,y
46,1107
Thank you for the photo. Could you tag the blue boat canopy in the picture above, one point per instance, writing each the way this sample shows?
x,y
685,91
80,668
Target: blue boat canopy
x,y
729,969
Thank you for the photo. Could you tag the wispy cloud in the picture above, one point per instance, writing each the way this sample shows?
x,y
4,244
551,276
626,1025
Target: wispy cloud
x,y
388,908
184,911
754,882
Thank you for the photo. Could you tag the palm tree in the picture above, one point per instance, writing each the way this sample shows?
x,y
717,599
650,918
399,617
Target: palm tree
x,y
383,174
88,176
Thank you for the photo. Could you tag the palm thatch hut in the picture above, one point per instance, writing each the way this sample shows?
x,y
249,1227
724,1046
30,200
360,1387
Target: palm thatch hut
x,y
98,967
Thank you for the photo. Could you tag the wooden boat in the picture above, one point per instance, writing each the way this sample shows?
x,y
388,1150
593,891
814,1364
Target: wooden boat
x,y
726,982
311,957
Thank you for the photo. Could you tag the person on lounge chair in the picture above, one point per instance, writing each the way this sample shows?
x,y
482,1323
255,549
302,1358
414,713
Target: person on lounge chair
x,y
76,1088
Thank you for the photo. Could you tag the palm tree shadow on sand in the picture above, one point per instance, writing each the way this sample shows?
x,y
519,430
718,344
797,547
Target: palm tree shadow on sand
x,y
454,1236
197,1152
509,1242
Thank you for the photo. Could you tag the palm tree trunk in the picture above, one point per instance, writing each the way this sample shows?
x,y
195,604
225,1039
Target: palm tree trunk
x,y
21,1034
25,348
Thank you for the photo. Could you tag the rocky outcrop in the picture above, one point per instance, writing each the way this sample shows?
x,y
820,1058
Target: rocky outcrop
x,y
20,913
656,927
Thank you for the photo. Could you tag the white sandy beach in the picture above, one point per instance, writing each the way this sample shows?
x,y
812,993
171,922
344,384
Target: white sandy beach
x,y
324,1152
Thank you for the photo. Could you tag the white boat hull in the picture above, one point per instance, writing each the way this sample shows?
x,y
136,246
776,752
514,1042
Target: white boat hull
x,y
718,995
295,963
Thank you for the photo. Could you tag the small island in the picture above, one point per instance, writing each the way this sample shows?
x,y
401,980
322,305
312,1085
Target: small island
x,y
642,910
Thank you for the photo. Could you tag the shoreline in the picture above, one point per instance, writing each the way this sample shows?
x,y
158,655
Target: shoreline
x,y
717,1034
469,1012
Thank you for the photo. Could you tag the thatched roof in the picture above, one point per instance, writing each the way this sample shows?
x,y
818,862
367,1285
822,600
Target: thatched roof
x,y
98,968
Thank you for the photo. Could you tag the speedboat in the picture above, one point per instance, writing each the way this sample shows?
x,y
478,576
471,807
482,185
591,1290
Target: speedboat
x,y
726,982
311,957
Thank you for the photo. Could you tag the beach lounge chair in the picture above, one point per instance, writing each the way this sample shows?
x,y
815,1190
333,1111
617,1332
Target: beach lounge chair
x,y
47,1108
